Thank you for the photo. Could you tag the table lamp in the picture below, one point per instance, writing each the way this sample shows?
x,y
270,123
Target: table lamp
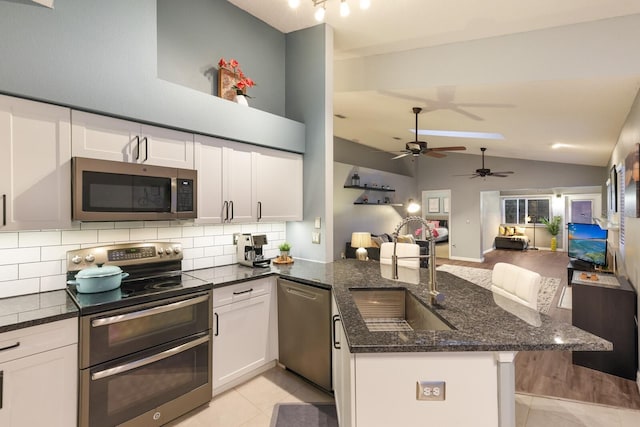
x,y
361,241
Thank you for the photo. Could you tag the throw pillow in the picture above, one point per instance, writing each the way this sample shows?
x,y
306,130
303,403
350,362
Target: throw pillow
x,y
510,231
376,241
502,230
520,231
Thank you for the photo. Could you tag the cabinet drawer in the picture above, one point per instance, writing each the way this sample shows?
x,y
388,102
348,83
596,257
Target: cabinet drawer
x,y
36,339
242,291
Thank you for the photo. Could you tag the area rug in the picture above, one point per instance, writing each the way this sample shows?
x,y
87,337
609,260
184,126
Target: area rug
x,y
565,298
304,414
482,278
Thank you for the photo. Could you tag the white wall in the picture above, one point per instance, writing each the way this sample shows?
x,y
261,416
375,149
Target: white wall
x,y
491,212
35,261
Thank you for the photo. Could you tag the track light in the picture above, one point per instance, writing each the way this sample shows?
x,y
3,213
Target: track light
x,y
319,15
344,8
321,7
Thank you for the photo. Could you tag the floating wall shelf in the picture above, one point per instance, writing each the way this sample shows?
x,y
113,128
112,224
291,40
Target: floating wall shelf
x,y
378,204
361,187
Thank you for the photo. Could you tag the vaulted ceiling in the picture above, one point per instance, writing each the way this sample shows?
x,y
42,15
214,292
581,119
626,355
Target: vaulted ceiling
x,y
539,73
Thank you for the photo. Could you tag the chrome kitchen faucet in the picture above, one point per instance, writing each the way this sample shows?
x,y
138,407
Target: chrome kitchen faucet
x,y
436,297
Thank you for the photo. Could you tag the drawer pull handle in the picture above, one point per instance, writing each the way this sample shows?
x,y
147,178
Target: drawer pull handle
x,y
243,292
217,327
9,347
137,147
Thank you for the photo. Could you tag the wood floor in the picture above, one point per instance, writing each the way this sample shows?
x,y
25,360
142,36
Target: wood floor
x,y
551,373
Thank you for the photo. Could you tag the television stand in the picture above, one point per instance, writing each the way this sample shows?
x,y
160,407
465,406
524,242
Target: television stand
x,y
578,265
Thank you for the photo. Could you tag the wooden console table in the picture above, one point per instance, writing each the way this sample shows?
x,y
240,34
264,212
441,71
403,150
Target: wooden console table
x,y
606,307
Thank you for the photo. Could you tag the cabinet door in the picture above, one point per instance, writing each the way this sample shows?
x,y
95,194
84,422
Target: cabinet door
x,y
238,184
279,186
35,165
343,371
208,163
100,137
241,339
166,147
40,390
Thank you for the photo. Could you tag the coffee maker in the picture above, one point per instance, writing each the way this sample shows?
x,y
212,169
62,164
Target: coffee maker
x,y
250,250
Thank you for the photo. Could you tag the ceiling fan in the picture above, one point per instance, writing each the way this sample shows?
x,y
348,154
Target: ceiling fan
x,y
415,148
483,172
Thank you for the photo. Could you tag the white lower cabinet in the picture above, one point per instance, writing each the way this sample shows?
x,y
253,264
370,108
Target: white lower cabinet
x,y
245,333
343,372
38,375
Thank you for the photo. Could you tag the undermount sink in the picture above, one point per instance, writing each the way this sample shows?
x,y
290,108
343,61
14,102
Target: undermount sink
x,y
395,309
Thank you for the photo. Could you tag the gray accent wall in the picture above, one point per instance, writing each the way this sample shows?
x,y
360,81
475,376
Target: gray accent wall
x,y
102,56
309,100
529,175
352,153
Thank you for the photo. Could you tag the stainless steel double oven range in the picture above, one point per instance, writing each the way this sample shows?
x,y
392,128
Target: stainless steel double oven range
x,y
145,348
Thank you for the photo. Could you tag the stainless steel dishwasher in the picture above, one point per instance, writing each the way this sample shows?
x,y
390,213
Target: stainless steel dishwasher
x,y
304,331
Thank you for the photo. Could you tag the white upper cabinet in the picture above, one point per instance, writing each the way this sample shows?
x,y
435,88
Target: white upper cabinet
x,y
278,185
35,165
101,137
225,188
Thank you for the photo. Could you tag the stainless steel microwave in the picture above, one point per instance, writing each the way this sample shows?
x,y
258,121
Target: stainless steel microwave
x,y
104,190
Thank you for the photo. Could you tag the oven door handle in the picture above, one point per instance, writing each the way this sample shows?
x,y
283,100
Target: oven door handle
x,y
148,360
148,312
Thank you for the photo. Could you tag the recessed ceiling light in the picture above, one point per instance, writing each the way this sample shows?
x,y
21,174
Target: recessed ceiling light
x,y
459,134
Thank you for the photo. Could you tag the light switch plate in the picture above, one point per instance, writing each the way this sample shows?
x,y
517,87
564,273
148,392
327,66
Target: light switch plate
x,y
430,390
317,223
315,237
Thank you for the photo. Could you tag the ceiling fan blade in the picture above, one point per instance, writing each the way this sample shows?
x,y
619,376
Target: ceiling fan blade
x,y
466,113
434,154
503,173
458,148
400,156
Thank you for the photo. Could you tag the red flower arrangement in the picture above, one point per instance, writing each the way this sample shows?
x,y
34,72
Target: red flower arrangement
x,y
243,81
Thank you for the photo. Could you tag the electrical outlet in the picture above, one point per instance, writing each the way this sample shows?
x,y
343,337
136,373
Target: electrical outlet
x,y
315,237
236,236
430,390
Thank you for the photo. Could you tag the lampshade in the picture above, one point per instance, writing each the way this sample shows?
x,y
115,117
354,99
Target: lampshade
x,y
360,240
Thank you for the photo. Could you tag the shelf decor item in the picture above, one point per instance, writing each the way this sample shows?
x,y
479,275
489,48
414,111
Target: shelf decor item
x,y
232,83
355,179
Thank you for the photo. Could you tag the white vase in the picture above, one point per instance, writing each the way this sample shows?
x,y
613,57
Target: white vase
x,y
242,100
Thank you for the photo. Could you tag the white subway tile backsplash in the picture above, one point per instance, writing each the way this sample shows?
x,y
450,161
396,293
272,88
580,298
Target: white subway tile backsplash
x,y
193,231
206,262
52,283
8,272
213,230
79,236
136,234
8,240
39,269
38,238
13,288
204,241
51,253
18,255
35,261
97,225
169,232
116,235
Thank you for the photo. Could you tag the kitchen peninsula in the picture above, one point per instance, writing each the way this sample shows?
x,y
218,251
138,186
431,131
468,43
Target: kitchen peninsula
x,y
376,373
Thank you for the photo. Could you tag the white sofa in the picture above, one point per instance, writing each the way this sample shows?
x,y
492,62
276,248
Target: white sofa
x,y
516,283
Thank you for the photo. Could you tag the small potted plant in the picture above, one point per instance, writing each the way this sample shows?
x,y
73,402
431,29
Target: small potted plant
x,y
284,251
553,227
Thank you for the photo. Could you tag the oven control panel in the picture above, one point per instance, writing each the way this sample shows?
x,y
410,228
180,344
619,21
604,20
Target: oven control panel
x,y
124,254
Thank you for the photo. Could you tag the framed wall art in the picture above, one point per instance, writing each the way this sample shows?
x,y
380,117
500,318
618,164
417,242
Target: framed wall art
x,y
631,184
434,204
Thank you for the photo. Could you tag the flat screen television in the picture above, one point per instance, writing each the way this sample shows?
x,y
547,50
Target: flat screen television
x,y
587,243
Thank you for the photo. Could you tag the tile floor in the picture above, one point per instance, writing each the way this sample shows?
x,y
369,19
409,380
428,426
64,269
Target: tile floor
x,y
251,405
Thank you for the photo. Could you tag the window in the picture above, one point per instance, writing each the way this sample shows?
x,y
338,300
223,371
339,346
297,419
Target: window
x,y
516,210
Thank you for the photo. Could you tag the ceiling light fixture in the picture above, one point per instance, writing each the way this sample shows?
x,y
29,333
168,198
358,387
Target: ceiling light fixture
x,y
321,7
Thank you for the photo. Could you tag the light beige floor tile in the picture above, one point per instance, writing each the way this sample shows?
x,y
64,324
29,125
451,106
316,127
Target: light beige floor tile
x,y
629,418
559,413
523,403
262,393
261,420
229,409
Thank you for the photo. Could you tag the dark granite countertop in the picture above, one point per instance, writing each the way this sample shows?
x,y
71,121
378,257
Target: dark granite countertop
x,y
482,321
35,309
